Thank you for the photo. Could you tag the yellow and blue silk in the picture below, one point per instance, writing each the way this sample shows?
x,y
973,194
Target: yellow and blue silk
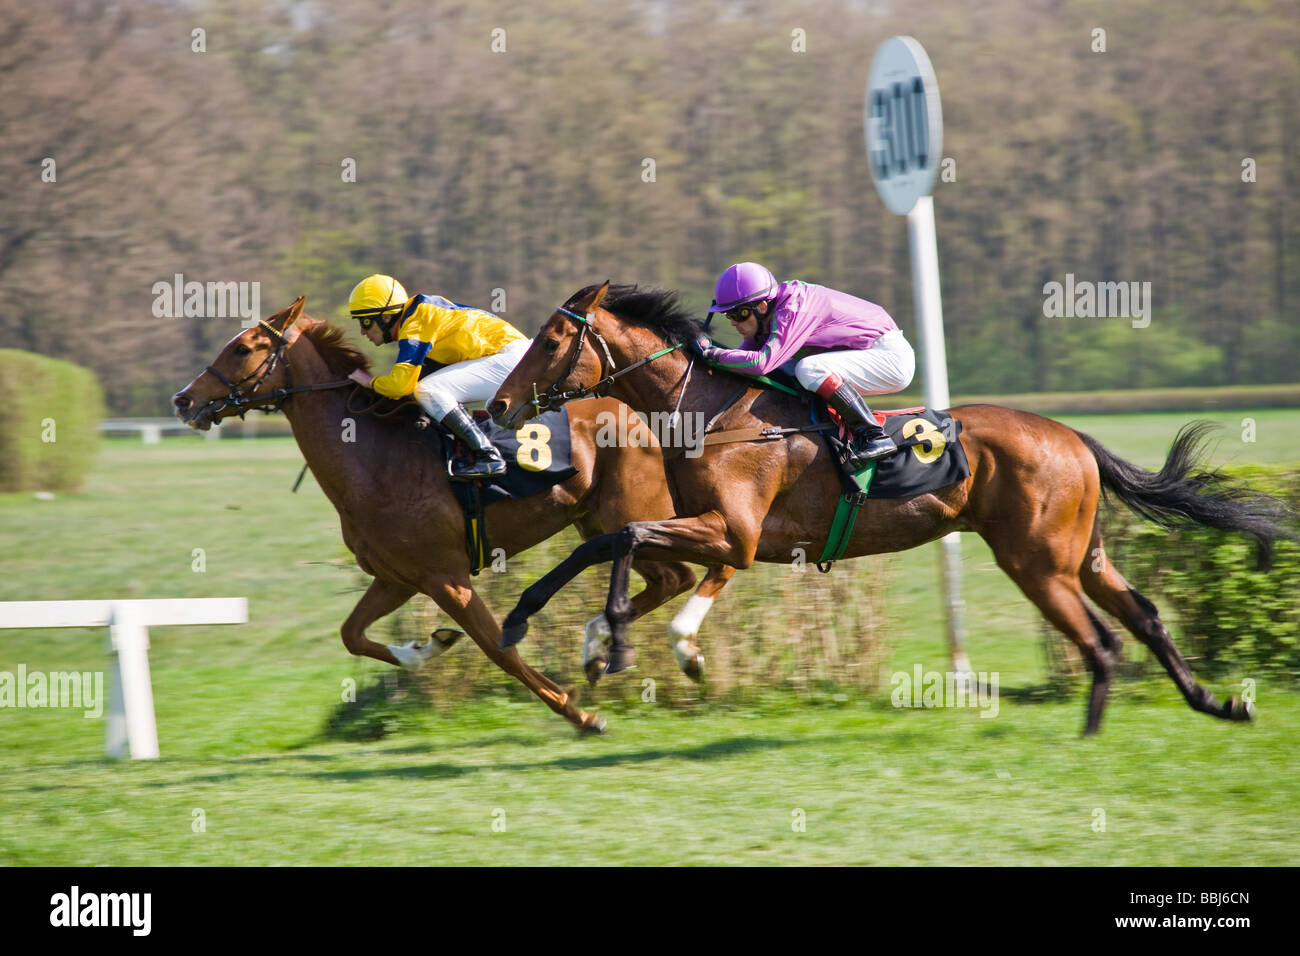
x,y
432,327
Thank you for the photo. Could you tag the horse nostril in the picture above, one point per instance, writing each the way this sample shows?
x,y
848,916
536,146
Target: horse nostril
x,y
497,407
180,401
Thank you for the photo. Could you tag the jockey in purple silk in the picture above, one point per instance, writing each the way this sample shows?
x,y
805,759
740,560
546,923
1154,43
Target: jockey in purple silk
x,y
835,344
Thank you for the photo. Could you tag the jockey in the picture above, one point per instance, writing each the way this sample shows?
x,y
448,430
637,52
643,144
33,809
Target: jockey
x,y
835,344
478,349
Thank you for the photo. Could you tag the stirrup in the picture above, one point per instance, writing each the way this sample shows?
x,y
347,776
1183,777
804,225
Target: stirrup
x,y
483,466
873,450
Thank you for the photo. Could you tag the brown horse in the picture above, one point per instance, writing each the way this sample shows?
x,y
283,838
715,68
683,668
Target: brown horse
x,y
1032,493
397,509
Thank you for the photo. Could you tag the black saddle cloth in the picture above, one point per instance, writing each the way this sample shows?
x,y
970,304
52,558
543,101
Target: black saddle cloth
x,y
537,457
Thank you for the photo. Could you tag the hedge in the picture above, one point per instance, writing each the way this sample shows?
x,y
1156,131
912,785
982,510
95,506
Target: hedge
x,y
1228,617
49,428
1126,401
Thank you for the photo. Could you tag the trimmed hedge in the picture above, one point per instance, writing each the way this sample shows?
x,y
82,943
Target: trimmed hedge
x,y
1229,617
46,398
1125,401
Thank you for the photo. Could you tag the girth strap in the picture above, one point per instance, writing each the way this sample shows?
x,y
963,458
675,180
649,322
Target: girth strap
x,y
846,515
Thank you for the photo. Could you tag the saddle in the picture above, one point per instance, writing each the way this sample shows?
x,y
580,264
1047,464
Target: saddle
x,y
929,455
537,459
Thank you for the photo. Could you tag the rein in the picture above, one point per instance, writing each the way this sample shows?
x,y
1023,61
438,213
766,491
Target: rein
x,y
556,394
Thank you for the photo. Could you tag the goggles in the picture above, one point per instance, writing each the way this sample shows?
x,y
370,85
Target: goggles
x,y
369,317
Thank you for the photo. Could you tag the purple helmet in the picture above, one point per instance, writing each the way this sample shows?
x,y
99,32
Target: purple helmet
x,y
743,282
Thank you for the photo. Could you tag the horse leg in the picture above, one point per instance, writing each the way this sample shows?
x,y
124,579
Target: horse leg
x,y
685,627
707,539
1034,563
1116,596
381,598
453,594
535,597
1061,602
664,580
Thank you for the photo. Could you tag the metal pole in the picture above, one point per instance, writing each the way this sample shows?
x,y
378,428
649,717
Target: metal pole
x,y
934,370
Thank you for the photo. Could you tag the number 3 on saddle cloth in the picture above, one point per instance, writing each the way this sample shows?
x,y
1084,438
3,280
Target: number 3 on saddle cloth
x,y
537,459
929,457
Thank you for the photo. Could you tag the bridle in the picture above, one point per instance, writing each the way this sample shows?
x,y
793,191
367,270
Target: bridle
x,y
557,395
246,400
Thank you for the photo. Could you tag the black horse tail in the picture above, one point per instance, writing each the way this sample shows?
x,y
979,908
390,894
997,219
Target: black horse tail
x,y
1183,493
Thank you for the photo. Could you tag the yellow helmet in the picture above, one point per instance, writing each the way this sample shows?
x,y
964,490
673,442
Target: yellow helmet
x,y
375,296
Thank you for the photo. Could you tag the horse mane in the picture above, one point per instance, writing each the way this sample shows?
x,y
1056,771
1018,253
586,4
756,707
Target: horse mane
x,y
340,355
658,310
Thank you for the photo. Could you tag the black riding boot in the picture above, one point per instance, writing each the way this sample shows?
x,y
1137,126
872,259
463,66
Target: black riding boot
x,y
488,462
870,439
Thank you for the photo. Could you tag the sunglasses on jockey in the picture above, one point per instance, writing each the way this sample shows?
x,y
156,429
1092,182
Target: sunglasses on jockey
x,y
743,313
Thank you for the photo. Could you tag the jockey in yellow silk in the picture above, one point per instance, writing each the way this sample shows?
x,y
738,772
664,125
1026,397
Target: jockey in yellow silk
x,y
477,348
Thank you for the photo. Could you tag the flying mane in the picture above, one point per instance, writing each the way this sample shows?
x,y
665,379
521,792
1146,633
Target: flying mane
x,y
338,353
658,310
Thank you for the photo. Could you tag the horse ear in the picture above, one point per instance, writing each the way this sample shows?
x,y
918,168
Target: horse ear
x,y
599,296
282,321
294,311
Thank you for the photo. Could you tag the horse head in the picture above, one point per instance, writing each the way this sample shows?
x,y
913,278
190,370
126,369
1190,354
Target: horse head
x,y
246,374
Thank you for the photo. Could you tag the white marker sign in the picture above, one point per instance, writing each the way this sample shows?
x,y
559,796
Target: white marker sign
x,y
904,123
904,145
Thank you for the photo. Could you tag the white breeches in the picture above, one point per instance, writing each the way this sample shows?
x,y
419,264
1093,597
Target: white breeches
x,y
474,380
888,366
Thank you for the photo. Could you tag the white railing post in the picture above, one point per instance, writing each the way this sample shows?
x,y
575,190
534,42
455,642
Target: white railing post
x,y
130,641
131,723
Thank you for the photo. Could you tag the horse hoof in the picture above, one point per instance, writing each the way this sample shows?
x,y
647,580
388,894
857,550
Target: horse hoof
x,y
445,637
592,726
689,659
621,658
595,669
1239,709
694,668
512,634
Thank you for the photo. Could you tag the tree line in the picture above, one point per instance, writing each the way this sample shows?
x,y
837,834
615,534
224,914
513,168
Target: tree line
x,y
504,156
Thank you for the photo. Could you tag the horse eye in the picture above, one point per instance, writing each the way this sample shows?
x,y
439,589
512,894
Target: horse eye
x,y
550,344
242,349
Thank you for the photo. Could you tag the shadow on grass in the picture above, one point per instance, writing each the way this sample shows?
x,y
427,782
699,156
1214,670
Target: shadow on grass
x,y
1041,693
719,749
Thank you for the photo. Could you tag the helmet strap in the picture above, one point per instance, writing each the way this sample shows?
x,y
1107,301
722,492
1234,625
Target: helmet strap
x,y
387,327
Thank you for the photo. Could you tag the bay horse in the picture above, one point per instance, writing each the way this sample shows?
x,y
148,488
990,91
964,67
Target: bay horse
x,y
1032,493
398,513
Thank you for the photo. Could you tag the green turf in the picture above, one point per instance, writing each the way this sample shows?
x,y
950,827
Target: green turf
x,y
240,712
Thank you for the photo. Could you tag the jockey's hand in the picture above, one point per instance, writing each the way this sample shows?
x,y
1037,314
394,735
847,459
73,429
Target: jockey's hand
x,y
361,378
700,347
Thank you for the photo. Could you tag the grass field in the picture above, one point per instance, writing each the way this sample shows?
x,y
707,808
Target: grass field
x,y
248,778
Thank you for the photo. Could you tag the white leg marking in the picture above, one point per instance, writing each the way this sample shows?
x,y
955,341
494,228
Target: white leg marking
x,y
411,656
596,637
685,626
689,618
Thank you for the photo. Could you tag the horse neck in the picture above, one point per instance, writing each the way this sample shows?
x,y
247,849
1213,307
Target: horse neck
x,y
317,420
657,385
